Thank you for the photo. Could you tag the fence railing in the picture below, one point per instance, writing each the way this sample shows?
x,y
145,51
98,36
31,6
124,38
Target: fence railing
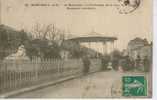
x,y
19,74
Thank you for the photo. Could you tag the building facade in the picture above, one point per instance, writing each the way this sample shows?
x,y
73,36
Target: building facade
x,y
139,47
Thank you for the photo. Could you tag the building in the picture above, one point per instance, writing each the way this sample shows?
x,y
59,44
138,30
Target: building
x,y
139,47
146,51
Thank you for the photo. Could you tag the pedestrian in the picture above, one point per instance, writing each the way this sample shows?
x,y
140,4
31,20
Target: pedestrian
x,y
146,64
110,66
104,62
137,62
86,64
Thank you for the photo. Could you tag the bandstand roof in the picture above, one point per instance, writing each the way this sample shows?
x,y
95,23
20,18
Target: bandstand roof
x,y
93,37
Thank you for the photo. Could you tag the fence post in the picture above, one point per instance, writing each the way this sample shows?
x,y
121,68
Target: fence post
x,y
36,69
1,75
58,68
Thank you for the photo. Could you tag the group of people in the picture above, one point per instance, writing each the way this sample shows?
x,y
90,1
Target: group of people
x,y
144,63
124,63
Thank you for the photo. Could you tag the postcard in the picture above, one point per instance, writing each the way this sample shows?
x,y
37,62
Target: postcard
x,y
76,48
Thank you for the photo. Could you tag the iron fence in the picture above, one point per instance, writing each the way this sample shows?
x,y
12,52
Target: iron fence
x,y
19,74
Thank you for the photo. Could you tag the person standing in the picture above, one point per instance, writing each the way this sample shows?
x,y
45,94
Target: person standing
x,y
146,64
104,62
86,64
137,62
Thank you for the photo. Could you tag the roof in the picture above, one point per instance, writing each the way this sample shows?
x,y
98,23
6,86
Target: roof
x,y
138,40
8,28
92,37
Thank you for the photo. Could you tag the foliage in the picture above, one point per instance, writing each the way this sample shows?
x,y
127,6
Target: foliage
x,y
104,61
126,63
10,40
74,48
41,48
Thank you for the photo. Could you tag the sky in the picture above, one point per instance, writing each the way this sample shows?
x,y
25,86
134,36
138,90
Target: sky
x,y
103,20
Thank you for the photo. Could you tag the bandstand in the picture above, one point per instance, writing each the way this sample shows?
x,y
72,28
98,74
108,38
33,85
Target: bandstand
x,y
108,43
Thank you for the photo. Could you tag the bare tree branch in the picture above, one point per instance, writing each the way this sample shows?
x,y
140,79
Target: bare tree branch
x,y
50,32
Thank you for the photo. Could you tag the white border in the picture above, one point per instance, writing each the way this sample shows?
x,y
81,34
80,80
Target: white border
x,y
155,51
154,97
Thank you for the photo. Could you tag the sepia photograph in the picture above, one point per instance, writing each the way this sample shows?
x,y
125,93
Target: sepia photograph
x,y
76,48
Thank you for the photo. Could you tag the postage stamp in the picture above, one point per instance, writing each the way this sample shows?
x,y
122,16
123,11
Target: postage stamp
x,y
134,86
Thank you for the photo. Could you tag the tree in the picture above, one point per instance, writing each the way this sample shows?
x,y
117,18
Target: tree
x,y
50,32
10,40
3,43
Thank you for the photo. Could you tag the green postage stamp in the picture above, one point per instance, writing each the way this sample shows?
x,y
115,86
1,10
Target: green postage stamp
x,y
134,86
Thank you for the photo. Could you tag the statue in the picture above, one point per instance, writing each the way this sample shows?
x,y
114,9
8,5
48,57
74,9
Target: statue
x,y
19,55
